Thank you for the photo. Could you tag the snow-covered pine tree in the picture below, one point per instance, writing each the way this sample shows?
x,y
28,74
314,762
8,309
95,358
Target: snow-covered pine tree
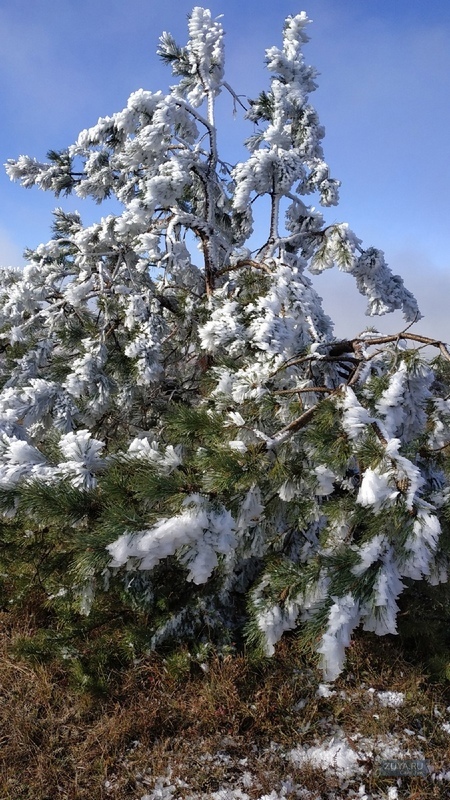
x,y
178,421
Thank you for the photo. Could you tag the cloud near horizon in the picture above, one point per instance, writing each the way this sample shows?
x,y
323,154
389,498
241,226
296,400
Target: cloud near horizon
x,y
429,284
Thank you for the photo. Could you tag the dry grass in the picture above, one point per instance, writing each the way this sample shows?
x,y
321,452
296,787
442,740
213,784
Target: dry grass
x,y
209,729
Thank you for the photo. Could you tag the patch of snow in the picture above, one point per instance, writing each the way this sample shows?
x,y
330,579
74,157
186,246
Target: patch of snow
x,y
335,755
324,691
347,758
164,790
442,776
237,444
391,699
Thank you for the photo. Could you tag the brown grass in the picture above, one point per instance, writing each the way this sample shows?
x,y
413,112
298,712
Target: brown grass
x,y
208,728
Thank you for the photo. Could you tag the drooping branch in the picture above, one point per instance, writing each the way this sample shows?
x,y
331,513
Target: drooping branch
x,y
414,337
339,352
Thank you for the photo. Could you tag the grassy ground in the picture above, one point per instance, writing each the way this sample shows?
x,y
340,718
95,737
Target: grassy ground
x,y
225,729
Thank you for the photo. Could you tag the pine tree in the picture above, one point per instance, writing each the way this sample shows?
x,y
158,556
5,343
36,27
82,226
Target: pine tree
x,y
181,432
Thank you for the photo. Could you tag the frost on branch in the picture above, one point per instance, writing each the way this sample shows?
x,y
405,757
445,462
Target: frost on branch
x,y
179,426
199,534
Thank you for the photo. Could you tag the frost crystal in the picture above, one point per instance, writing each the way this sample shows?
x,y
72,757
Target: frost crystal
x,y
343,617
202,533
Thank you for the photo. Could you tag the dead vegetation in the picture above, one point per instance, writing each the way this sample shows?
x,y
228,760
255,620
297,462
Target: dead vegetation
x,y
174,727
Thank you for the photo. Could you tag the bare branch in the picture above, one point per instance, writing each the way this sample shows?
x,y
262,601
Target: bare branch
x,y
245,262
299,423
319,389
235,96
414,337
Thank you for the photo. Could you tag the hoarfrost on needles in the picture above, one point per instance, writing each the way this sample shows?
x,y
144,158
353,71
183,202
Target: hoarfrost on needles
x,y
202,532
343,617
376,489
221,378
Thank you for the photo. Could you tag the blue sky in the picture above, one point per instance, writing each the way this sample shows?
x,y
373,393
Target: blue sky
x,y
383,98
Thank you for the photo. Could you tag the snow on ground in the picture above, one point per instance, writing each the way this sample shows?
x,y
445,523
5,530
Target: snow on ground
x,y
350,759
287,791
392,699
345,763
